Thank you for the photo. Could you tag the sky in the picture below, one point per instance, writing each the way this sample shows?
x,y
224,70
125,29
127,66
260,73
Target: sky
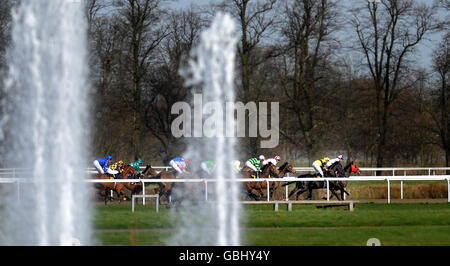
x,y
424,49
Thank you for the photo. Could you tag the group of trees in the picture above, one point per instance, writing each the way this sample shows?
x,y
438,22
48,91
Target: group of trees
x,y
349,79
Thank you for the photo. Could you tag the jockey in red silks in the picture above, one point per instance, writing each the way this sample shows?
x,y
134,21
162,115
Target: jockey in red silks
x,y
273,160
180,165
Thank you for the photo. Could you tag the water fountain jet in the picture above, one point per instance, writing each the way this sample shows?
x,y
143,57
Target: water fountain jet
x,y
212,69
45,124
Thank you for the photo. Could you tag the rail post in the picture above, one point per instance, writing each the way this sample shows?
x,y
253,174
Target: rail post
x,y
401,189
328,190
287,192
448,190
389,190
401,186
143,192
268,191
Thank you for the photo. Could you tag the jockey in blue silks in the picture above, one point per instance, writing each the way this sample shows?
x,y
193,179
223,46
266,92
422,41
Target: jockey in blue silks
x,y
102,165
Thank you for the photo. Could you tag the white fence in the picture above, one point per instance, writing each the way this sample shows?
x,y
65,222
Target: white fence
x,y
396,171
388,179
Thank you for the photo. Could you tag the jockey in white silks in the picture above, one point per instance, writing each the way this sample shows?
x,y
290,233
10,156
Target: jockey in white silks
x,y
340,158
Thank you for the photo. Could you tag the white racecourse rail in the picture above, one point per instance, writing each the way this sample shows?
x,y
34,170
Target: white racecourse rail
x,y
13,175
10,175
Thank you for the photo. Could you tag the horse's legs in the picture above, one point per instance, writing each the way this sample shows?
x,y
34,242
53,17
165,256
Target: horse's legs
x,y
106,195
118,195
299,189
300,192
333,192
293,192
161,194
309,197
274,189
260,193
331,196
169,194
254,195
120,192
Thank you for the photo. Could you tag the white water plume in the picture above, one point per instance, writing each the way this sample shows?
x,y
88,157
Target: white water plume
x,y
44,125
215,222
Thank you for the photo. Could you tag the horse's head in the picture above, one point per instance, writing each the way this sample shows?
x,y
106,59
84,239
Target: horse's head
x,y
286,168
128,171
149,171
289,168
351,168
270,169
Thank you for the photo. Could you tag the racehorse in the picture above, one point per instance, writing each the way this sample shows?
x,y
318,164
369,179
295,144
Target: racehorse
x,y
349,169
127,172
164,188
149,172
137,186
284,169
255,189
336,171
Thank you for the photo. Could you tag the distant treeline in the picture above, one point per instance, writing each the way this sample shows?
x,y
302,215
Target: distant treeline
x,y
348,79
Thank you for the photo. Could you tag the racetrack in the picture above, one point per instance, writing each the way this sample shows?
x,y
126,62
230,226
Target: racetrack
x,y
394,224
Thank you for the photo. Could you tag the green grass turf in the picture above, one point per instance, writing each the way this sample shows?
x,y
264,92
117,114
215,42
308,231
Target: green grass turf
x,y
393,224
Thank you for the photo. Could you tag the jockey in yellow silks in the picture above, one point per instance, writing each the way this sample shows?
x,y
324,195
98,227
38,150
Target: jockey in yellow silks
x,y
116,169
320,165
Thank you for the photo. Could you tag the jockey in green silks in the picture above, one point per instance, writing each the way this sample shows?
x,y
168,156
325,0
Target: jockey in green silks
x,y
255,164
136,165
208,166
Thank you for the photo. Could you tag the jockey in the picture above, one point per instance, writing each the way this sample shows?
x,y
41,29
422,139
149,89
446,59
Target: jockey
x,y
319,165
208,166
237,165
179,164
136,165
101,165
255,163
273,160
116,167
330,164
